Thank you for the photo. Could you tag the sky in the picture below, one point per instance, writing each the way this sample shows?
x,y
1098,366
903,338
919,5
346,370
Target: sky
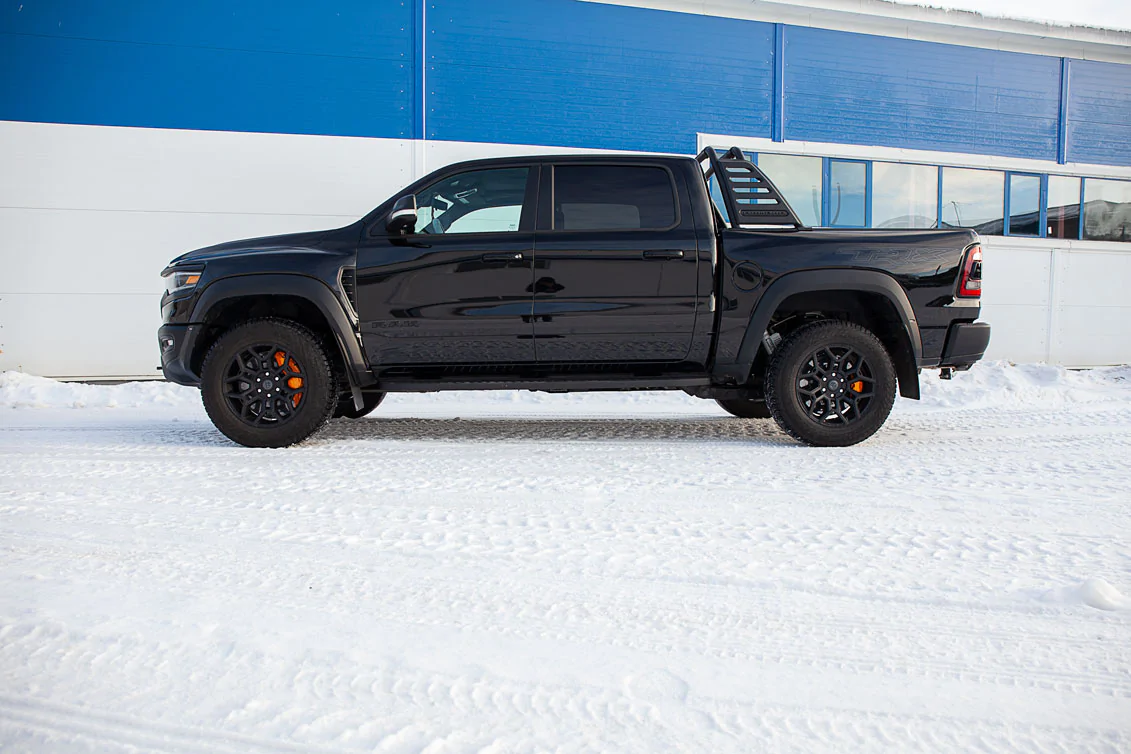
x,y
1111,14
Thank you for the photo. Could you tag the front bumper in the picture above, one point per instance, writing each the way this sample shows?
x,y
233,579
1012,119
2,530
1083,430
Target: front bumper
x,y
965,344
176,343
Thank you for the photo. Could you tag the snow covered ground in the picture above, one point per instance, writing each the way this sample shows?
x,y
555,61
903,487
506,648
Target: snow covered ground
x,y
604,573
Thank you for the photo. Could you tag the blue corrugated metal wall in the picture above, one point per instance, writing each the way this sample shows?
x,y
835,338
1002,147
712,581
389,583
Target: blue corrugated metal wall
x,y
344,68
554,72
1099,113
864,89
578,74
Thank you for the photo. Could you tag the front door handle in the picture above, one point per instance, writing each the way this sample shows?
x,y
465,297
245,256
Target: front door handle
x,y
510,256
664,254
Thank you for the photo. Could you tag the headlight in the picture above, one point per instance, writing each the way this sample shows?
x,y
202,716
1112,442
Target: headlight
x,y
179,281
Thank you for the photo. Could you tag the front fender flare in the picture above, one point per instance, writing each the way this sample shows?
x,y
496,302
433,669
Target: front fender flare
x,y
311,289
869,281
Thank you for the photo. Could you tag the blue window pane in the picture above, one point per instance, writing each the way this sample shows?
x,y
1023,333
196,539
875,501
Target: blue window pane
x,y
846,194
1024,205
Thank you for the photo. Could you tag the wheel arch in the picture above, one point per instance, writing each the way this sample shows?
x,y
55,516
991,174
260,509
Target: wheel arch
x,y
872,299
229,301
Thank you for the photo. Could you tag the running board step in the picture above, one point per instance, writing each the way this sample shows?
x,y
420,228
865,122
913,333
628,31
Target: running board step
x,y
548,385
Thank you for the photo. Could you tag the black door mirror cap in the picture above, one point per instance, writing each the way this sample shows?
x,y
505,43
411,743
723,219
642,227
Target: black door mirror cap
x,y
402,218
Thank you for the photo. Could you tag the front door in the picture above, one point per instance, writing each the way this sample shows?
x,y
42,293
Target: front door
x,y
458,289
614,265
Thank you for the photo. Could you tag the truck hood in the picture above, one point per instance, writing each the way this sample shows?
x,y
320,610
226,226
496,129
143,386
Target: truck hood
x,y
305,240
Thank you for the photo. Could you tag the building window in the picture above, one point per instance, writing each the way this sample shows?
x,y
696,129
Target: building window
x,y
973,199
904,196
1024,205
1107,210
1063,207
612,197
870,194
847,203
799,181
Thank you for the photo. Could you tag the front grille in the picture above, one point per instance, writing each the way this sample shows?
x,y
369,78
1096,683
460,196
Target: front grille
x,y
349,286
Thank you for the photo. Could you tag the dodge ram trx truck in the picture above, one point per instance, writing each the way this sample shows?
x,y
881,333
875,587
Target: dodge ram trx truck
x,y
571,273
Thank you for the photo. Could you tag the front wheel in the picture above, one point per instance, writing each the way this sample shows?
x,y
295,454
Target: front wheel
x,y
830,383
268,383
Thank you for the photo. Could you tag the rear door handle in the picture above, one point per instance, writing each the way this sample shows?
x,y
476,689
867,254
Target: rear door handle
x,y
510,256
664,254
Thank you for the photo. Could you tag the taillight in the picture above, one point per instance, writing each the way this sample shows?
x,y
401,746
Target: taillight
x,y
971,284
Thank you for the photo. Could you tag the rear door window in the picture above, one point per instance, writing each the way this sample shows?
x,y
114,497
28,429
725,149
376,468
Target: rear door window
x,y
613,197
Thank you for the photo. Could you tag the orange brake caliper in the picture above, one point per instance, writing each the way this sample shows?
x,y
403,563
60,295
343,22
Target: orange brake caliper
x,y
294,383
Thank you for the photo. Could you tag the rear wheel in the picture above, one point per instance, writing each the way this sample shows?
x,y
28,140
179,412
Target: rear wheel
x,y
830,383
744,408
268,384
346,409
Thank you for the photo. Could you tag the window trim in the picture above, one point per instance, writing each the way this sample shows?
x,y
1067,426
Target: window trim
x,y
546,224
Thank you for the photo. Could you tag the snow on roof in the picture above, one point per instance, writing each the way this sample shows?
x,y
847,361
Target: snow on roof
x,y
921,22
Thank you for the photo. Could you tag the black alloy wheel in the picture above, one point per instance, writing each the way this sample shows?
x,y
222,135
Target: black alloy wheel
x,y
268,383
265,384
835,385
830,383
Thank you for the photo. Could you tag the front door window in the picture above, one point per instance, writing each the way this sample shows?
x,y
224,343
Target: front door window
x,y
480,201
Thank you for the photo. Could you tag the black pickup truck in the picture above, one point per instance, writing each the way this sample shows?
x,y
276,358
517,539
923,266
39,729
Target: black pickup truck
x,y
570,273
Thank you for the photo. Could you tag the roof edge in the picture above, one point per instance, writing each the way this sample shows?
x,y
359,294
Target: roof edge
x,y
918,22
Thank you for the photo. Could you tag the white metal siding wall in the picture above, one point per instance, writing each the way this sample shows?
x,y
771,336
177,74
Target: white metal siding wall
x,y
89,215
1064,302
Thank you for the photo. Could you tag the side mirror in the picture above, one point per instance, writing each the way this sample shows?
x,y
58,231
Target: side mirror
x,y
402,220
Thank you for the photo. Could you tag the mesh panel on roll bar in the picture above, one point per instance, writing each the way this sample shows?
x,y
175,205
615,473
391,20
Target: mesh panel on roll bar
x,y
750,198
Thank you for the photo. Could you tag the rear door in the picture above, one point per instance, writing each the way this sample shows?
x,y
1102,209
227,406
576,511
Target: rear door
x,y
614,264
458,289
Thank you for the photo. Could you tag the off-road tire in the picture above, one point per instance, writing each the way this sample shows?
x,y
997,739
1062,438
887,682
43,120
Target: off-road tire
x,y
786,382
744,408
318,384
346,410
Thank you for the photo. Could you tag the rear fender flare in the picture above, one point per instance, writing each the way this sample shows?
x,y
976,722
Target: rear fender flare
x,y
300,286
868,281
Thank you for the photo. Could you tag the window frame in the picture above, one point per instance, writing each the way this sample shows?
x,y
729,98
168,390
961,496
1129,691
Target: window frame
x,y
547,198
